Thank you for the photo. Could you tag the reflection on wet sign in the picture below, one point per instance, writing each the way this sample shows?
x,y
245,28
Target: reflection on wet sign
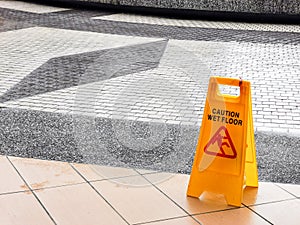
x,y
225,159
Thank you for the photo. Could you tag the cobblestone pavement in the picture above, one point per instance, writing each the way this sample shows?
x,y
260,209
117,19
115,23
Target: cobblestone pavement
x,y
129,90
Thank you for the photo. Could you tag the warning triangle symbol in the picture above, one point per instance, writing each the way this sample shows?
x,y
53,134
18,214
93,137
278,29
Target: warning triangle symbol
x,y
221,144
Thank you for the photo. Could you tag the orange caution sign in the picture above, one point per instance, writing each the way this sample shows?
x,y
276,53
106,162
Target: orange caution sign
x,y
225,159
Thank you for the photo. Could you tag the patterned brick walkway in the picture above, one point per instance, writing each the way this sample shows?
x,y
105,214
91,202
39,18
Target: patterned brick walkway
x,y
100,87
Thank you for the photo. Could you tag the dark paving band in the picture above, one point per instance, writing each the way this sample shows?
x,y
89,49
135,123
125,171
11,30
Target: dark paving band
x,y
72,70
271,7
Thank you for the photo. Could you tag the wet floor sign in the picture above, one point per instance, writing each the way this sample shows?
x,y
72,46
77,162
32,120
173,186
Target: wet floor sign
x,y
225,159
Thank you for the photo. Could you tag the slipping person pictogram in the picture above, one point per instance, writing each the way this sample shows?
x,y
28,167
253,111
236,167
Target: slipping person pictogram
x,y
221,140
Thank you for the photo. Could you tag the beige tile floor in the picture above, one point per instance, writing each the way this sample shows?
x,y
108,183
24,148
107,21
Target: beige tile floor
x,y
39,192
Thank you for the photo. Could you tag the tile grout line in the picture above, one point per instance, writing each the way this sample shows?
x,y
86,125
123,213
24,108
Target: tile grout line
x,y
167,219
114,178
272,202
14,192
248,207
286,190
170,199
34,194
147,173
216,211
98,193
58,186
